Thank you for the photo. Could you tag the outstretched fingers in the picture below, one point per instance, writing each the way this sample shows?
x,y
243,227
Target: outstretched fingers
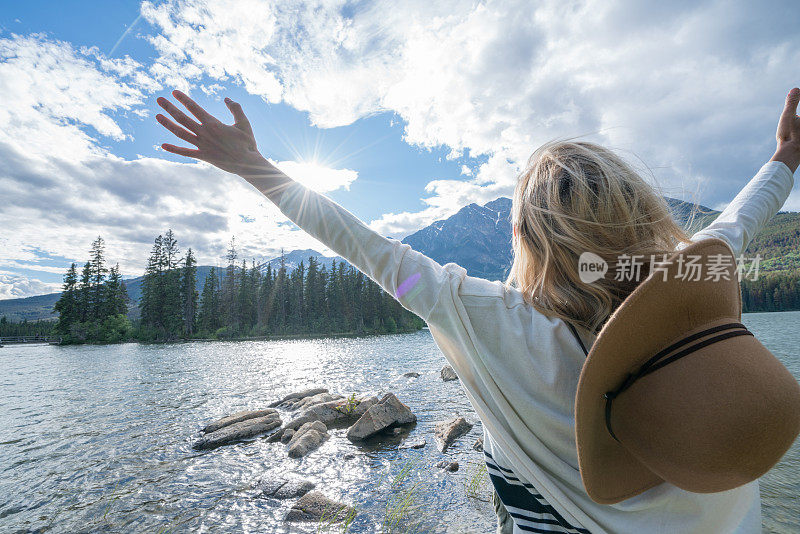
x,y
790,110
195,108
177,130
239,118
182,151
178,115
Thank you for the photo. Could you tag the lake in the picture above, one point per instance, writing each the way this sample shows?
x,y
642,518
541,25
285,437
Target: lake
x,y
99,438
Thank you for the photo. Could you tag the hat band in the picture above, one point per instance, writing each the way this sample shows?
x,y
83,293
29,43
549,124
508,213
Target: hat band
x,y
653,364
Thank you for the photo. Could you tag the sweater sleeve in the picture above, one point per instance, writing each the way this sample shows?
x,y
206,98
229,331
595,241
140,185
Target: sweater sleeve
x,y
752,208
412,278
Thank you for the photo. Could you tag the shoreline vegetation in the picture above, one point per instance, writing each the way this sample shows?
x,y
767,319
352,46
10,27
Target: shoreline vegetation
x,y
309,300
236,303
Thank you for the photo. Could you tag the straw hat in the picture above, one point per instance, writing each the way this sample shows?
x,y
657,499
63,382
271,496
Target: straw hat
x,y
675,389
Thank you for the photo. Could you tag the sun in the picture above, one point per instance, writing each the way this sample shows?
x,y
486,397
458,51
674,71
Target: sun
x,y
317,176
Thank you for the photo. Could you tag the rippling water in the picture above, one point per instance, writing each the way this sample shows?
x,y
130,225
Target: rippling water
x,y
99,438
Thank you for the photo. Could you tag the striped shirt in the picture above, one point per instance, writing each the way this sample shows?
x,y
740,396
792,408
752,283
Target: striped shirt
x,y
526,506
529,510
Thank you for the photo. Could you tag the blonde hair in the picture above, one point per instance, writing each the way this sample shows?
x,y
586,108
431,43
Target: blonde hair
x,y
576,197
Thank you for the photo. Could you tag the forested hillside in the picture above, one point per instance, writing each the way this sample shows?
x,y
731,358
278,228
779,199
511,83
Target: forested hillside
x,y
478,238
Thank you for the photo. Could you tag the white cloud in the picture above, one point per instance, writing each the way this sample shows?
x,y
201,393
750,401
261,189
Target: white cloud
x,y
62,187
14,286
694,89
52,92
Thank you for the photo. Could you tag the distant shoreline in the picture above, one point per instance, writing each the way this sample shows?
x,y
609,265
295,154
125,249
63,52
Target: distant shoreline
x,y
276,337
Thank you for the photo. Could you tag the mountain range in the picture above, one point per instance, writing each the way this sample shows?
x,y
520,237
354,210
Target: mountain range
x,y
479,239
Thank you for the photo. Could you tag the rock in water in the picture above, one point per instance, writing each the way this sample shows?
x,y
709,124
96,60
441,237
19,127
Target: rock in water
x,y
411,374
314,506
276,436
388,412
418,444
239,431
448,374
333,413
298,395
452,467
307,438
478,445
282,488
313,400
287,435
236,418
448,431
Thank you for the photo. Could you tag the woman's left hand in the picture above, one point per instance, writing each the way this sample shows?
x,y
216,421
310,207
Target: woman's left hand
x,y
232,148
788,135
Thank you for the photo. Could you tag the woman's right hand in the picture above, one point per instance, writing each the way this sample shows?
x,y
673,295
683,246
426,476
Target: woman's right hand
x,y
231,147
788,134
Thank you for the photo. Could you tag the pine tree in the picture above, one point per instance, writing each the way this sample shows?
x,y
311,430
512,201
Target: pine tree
x,y
323,306
228,298
266,297
281,299
295,301
68,304
209,314
97,277
241,307
85,293
311,300
150,302
116,295
189,294
171,309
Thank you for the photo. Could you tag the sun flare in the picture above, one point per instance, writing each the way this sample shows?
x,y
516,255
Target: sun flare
x,y
317,176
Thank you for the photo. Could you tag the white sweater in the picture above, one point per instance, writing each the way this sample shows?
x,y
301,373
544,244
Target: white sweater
x,y
520,368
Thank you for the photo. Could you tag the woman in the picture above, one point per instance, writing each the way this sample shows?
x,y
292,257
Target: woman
x,y
519,346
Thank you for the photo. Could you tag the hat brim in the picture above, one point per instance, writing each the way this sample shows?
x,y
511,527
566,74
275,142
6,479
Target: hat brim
x,y
655,314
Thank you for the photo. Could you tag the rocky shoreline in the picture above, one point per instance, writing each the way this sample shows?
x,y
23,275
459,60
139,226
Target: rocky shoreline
x,y
301,420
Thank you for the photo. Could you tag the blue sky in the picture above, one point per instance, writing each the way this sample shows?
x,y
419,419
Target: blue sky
x,y
403,113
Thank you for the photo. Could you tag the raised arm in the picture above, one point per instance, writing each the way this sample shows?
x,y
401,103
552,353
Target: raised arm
x,y
414,279
766,192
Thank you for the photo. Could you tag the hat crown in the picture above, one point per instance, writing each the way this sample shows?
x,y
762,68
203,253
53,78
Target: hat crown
x,y
713,420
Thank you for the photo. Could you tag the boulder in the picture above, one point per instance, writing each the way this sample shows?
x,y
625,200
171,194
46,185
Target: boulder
x,y
275,437
386,413
341,412
314,506
238,431
447,432
478,445
411,374
451,467
294,397
448,374
287,435
319,398
236,418
282,488
307,438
